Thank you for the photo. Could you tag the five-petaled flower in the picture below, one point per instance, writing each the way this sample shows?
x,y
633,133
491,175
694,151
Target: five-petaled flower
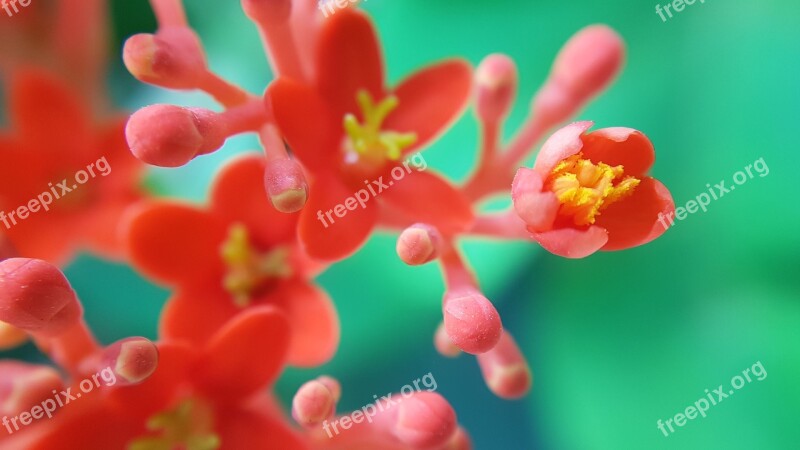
x,y
348,129
237,254
589,192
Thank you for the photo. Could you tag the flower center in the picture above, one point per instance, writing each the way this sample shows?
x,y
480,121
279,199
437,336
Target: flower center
x,y
188,426
366,141
248,269
584,189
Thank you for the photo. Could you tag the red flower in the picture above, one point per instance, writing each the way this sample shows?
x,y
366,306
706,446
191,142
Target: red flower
x,y
54,147
589,192
349,130
206,397
237,254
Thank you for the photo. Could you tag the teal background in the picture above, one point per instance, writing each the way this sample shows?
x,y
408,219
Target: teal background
x,y
618,340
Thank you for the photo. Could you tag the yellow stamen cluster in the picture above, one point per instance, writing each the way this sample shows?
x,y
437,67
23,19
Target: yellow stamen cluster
x,y
367,139
584,189
249,269
189,426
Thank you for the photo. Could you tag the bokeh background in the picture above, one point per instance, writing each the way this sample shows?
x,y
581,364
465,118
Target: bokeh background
x,y
616,341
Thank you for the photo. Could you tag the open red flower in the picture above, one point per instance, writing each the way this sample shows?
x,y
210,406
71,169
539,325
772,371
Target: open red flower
x,y
64,179
207,397
350,131
237,254
589,192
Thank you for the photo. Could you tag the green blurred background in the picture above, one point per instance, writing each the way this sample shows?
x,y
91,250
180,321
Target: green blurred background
x,y
618,340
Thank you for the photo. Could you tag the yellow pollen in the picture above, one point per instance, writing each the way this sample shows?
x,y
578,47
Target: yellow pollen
x,y
247,268
367,139
188,426
584,189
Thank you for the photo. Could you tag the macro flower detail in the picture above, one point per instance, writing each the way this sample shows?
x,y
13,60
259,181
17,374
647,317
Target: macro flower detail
x,y
360,130
236,254
589,192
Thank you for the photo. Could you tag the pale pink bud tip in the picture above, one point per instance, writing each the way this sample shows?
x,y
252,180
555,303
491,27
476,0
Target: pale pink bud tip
x,y
315,401
443,343
36,297
286,185
170,136
133,359
471,321
172,58
419,244
268,11
505,370
495,87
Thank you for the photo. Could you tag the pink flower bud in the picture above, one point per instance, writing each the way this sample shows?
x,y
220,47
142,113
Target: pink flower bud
x,y
471,321
132,360
267,12
424,420
419,244
36,297
24,385
315,401
172,58
443,343
495,87
171,136
586,64
505,370
286,185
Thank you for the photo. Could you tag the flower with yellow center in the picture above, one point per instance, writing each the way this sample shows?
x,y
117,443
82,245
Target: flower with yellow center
x,y
189,426
249,269
584,189
367,140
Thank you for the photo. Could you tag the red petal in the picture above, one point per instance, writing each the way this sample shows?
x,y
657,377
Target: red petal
x,y
195,313
40,102
620,146
229,369
337,237
635,220
562,144
313,320
239,195
431,100
240,429
348,60
312,130
427,198
571,242
536,208
174,243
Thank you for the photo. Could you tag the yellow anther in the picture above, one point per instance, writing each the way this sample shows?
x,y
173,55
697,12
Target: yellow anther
x,y
247,268
584,189
368,139
189,426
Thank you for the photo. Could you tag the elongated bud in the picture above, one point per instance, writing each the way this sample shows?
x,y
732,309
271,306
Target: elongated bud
x,y
126,362
316,401
418,244
171,136
471,321
443,343
23,385
172,58
586,64
505,370
286,185
424,420
495,87
36,297
267,12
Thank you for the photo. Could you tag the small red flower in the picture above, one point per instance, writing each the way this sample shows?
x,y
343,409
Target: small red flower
x,y
349,130
237,254
198,397
53,138
589,192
